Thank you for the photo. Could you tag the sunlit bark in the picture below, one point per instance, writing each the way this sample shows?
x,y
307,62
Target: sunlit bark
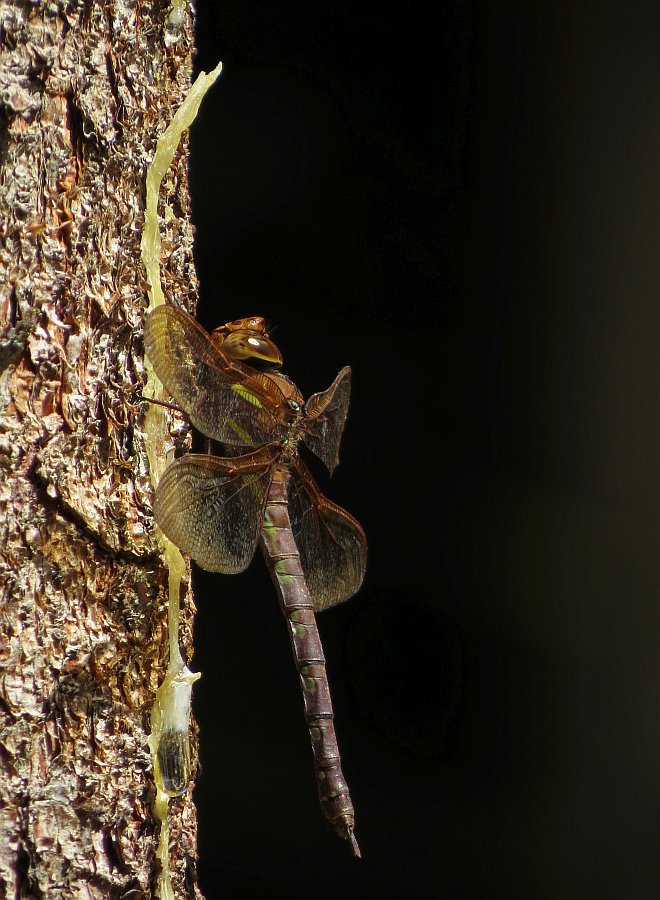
x,y
85,88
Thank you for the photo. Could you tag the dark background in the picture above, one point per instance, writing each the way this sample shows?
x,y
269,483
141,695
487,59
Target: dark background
x,y
462,201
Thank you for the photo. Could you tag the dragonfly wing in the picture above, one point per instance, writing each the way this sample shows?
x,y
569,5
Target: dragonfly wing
x,y
325,418
212,508
331,543
225,400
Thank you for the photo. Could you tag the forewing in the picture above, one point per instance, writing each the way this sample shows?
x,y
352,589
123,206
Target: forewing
x,y
224,399
212,508
331,543
325,417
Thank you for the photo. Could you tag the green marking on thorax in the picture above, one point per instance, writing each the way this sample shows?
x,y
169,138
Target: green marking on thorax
x,y
243,392
240,433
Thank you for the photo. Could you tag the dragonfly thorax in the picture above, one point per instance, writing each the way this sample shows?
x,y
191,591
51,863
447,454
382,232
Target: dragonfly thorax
x,y
292,396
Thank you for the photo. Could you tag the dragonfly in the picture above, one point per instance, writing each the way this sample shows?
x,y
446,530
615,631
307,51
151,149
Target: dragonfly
x,y
217,508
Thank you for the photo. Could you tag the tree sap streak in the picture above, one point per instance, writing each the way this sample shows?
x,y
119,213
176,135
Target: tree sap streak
x,y
170,714
281,553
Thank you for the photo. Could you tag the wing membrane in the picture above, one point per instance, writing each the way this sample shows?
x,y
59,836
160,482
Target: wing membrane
x,y
212,508
325,418
226,400
332,544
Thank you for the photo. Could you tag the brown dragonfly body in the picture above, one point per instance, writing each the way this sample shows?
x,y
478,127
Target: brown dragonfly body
x,y
217,508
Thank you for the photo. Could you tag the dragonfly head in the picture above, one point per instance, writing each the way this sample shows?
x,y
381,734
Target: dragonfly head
x,y
248,339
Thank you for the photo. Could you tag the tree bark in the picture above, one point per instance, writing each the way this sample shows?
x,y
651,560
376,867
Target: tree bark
x,y
85,87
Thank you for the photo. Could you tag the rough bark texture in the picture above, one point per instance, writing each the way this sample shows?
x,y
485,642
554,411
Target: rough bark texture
x,y
85,89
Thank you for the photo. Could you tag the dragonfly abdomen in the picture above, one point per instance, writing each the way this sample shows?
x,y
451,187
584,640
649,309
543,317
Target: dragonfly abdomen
x,y
279,548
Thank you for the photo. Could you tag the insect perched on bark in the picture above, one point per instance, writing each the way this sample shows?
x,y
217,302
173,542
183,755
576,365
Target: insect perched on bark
x,y
218,508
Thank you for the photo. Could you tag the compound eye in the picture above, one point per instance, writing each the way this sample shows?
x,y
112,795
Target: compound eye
x,y
295,406
249,345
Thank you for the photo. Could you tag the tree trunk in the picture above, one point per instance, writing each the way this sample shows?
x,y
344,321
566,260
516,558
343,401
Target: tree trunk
x,y
86,87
